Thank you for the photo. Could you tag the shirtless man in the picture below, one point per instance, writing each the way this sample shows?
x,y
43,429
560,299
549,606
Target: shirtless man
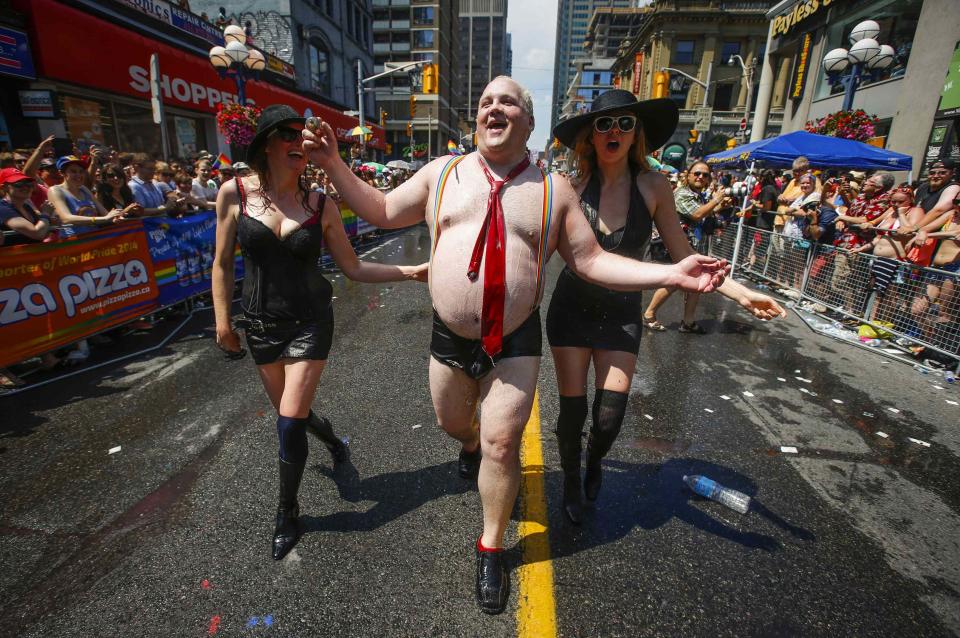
x,y
889,248
456,197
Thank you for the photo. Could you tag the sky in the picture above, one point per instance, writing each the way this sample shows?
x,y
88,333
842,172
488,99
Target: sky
x,y
533,25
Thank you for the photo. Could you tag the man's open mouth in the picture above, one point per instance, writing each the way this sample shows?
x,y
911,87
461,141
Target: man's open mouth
x,y
296,154
497,126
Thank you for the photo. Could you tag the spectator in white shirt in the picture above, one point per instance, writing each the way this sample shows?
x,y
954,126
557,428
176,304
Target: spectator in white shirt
x,y
203,185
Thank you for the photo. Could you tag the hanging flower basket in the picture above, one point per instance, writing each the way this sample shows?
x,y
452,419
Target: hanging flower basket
x,y
237,124
850,125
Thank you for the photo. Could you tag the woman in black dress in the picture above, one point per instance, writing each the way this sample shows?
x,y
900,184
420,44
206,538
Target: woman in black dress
x,y
622,198
288,315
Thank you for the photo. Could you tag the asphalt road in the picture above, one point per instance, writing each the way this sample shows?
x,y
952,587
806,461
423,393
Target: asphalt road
x,y
856,534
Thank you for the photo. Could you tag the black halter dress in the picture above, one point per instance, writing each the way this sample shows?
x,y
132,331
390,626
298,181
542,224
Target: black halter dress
x,y
286,301
584,315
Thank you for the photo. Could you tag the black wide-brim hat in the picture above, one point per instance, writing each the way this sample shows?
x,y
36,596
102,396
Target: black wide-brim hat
x,y
271,117
659,117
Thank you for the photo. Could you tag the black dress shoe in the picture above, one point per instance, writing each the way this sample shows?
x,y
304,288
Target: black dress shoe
x,y
321,428
287,532
468,464
493,582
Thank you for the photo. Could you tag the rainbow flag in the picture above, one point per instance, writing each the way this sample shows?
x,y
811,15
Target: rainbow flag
x,y
452,148
222,161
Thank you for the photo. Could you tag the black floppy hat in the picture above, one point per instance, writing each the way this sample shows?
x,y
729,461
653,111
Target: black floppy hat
x,y
271,118
659,117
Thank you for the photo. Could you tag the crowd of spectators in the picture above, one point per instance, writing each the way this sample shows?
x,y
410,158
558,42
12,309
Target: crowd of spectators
x,y
844,215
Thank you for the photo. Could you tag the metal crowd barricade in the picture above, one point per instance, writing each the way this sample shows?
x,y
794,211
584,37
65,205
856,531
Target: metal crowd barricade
x,y
921,305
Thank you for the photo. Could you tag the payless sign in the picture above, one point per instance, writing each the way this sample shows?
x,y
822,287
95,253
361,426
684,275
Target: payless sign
x,y
783,24
803,63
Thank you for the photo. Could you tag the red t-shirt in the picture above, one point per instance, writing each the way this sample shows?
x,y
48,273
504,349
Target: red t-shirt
x,y
39,196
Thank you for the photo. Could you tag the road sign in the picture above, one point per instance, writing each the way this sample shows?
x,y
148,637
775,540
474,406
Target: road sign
x,y
743,124
702,119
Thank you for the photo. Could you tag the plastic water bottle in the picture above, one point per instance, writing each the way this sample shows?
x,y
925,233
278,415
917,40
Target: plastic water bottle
x,y
708,488
949,376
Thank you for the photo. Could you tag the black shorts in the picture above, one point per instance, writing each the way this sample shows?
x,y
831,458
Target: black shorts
x,y
468,355
270,341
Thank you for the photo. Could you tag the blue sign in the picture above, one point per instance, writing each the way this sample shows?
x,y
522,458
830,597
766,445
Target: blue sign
x,y
182,252
193,24
15,58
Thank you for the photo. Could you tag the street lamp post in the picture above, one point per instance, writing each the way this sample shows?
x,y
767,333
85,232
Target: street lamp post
x,y
361,90
865,54
748,74
236,60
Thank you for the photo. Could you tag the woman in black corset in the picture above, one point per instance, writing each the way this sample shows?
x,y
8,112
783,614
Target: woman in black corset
x,y
622,198
287,310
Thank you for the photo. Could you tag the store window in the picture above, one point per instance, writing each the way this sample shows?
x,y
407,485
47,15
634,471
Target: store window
x,y
423,16
729,50
423,39
136,131
186,135
684,52
88,121
319,62
898,24
723,96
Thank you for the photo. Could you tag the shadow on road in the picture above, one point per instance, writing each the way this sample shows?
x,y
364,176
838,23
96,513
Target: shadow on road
x,y
395,494
650,495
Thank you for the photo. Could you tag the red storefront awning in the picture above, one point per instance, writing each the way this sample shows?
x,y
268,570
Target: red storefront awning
x,y
83,49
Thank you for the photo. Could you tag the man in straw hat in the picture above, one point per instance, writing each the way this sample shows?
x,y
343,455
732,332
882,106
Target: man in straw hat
x,y
495,220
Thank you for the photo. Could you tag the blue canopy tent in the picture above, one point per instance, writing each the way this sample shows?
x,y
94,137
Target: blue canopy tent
x,y
823,151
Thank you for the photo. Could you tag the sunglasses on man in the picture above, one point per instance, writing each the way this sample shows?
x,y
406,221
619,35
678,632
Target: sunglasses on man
x,y
624,123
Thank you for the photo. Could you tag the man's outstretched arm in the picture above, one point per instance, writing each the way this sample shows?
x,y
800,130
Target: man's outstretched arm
x,y
404,206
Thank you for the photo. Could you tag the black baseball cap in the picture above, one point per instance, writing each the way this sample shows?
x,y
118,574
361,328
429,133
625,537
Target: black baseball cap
x,y
944,163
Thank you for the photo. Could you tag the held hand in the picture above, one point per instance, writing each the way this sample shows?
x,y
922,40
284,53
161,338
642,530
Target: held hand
x,y
320,145
132,210
421,272
761,306
699,273
115,215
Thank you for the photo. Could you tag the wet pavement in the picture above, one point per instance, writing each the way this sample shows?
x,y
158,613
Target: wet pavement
x,y
856,533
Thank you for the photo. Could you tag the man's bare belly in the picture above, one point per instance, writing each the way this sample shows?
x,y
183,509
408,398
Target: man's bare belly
x,y
948,253
459,301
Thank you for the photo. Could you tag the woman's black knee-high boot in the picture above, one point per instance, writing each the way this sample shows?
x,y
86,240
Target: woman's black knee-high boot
x,y
573,413
293,458
321,428
608,410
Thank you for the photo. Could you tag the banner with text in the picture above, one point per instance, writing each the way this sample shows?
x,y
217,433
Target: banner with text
x,y
181,254
54,294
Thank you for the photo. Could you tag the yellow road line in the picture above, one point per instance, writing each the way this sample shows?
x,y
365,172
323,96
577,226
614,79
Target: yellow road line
x,y
536,608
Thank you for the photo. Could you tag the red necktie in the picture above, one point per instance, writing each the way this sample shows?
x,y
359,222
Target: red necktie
x,y
495,265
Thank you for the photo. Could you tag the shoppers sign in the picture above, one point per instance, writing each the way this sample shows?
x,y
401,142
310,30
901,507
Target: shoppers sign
x,y
15,58
187,80
174,16
53,294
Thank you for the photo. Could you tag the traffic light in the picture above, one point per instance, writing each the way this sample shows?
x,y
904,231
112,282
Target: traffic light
x,y
389,148
731,143
431,78
409,129
661,84
383,118
413,105
694,136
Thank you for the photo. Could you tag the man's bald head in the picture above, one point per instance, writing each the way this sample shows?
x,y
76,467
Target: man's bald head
x,y
526,98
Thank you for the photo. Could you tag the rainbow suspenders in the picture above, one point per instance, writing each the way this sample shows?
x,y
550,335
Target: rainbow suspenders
x,y
545,219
